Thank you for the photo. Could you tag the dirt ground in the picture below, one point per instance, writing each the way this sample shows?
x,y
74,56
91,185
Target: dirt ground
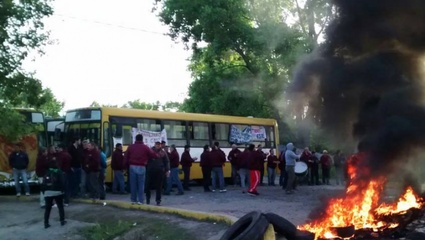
x,y
24,220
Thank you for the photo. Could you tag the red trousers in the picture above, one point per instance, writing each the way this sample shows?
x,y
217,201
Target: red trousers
x,y
254,180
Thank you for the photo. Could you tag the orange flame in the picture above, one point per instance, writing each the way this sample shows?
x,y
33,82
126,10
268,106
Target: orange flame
x,y
360,207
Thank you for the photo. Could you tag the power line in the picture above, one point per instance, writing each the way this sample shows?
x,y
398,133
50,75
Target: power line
x,y
109,24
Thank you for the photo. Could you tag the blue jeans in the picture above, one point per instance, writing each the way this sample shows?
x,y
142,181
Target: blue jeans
x,y
244,174
217,172
271,175
174,179
21,173
137,183
118,181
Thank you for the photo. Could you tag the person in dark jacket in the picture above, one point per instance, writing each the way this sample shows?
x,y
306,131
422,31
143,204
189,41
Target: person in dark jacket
x,y
174,172
272,162
186,162
206,168
76,152
256,159
326,162
243,168
92,168
283,178
155,171
260,151
314,177
218,159
64,162
54,193
18,161
41,166
233,158
118,166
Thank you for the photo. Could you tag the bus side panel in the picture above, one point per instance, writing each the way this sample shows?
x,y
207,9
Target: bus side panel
x,y
195,170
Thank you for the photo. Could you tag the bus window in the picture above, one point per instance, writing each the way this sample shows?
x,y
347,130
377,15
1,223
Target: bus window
x,y
270,140
106,142
149,125
220,133
176,132
199,134
127,136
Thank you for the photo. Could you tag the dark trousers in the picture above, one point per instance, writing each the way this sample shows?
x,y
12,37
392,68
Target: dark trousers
x,y
314,175
93,179
48,209
186,179
102,192
153,181
206,173
75,177
67,193
283,178
326,175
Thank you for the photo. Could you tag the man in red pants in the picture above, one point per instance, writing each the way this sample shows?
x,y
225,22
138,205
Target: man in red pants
x,y
256,159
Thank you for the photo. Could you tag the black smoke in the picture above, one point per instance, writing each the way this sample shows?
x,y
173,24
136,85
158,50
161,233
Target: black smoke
x,y
366,81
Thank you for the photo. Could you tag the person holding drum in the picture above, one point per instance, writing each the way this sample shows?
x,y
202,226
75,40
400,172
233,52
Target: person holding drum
x,y
291,159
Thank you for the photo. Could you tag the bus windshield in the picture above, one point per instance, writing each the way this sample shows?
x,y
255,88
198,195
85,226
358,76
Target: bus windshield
x,y
83,130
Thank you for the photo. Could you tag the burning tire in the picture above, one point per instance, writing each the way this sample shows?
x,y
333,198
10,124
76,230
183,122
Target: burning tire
x,y
282,226
304,235
252,226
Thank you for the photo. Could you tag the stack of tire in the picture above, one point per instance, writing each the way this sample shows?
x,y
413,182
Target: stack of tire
x,y
253,225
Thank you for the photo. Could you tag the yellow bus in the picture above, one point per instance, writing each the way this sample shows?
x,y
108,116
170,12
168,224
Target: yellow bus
x,y
54,130
31,142
107,126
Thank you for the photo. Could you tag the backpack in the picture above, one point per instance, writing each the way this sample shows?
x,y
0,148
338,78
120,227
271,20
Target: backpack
x,y
53,180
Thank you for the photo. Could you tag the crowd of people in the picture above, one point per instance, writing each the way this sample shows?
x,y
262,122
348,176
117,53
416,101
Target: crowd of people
x,y
81,168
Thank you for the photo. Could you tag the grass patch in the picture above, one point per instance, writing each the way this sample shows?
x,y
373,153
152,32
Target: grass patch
x,y
106,230
162,229
146,228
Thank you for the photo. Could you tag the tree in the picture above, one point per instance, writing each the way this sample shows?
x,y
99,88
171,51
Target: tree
x,y
248,59
21,30
50,106
157,106
96,104
137,104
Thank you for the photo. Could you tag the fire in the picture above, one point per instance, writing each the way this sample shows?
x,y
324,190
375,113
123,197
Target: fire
x,y
360,207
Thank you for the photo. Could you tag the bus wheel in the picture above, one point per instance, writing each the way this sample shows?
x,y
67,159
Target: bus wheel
x,y
282,226
252,226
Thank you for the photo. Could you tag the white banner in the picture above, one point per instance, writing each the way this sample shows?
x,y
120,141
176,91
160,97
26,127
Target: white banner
x,y
247,135
149,137
258,133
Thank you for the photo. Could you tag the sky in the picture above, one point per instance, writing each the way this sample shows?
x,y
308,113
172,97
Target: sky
x,y
110,52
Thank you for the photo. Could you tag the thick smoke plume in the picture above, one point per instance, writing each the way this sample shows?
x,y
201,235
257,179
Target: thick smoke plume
x,y
366,81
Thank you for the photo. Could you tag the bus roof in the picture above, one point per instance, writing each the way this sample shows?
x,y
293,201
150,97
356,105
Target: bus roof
x,y
152,114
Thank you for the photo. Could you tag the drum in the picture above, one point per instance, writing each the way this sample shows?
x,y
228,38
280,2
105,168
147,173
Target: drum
x,y
301,169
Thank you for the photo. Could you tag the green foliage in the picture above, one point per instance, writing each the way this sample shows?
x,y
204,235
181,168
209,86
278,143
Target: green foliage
x,y
13,124
21,30
137,104
248,58
108,230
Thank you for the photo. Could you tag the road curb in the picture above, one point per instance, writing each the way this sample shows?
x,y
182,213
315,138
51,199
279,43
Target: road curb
x,y
197,215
